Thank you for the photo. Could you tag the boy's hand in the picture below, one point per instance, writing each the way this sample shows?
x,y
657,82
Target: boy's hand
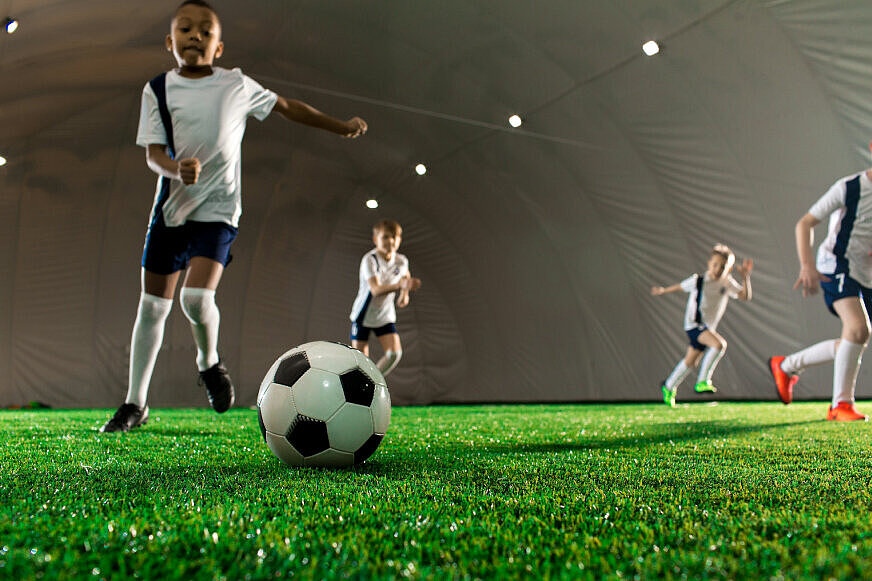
x,y
356,127
403,300
189,170
657,290
809,278
746,267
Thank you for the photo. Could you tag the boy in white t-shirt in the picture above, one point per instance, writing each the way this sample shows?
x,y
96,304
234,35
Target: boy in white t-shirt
x,y
844,271
706,303
191,123
384,280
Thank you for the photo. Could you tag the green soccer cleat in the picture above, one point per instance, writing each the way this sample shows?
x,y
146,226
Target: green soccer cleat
x,y
668,396
704,387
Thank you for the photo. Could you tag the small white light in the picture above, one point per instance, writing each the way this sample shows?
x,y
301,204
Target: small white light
x,y
420,169
372,204
515,121
650,48
11,25
2,160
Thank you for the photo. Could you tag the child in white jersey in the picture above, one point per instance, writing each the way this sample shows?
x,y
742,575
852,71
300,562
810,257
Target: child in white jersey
x,y
384,280
844,271
191,123
707,301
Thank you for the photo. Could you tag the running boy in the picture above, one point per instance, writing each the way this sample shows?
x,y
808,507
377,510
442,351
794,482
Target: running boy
x,y
844,272
384,274
191,123
705,307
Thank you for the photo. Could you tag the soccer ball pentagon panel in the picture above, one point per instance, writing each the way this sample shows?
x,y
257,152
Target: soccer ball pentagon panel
x,y
323,404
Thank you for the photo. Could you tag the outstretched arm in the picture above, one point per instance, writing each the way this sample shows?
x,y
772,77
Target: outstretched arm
x,y
294,110
745,271
662,290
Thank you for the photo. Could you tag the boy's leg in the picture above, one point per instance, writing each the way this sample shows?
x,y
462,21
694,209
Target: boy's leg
x,y
393,352
679,372
362,346
716,346
785,370
198,303
155,303
855,334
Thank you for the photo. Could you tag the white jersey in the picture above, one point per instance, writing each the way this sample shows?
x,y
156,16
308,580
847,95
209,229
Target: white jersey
x,y
208,116
374,312
846,248
708,299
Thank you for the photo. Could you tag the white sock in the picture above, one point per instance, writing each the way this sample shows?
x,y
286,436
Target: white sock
x,y
199,307
845,369
388,361
817,354
709,361
148,332
677,376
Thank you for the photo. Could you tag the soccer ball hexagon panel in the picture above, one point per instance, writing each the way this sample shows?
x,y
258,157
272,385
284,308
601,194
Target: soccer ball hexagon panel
x,y
323,404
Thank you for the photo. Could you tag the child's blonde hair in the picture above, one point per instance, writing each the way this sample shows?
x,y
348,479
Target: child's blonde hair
x,y
724,252
389,226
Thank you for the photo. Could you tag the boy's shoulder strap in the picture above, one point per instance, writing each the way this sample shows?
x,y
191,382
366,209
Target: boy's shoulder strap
x,y
159,86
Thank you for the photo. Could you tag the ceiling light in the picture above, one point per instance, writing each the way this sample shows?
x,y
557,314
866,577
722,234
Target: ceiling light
x,y
515,121
650,48
372,204
11,25
2,160
420,169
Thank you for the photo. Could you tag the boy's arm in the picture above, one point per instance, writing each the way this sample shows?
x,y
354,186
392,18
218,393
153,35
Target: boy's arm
x,y
809,277
745,271
410,284
378,289
294,110
187,170
662,290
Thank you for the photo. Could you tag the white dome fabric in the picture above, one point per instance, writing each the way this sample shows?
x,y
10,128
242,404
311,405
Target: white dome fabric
x,y
537,246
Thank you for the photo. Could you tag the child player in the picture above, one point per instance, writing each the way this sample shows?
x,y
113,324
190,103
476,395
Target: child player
x,y
384,274
844,272
191,123
707,301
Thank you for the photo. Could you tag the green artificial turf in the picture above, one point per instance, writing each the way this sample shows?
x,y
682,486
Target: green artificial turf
x,y
733,490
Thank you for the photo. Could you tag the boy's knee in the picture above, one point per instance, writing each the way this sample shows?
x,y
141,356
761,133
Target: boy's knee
x,y
197,302
723,343
153,308
859,335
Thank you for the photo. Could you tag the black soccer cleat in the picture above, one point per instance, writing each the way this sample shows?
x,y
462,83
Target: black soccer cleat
x,y
128,416
219,388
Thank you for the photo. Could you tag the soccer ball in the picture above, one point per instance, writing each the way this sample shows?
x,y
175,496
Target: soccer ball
x,y
323,404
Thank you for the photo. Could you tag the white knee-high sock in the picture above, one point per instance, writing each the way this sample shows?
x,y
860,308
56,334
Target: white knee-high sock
x,y
817,354
199,307
845,369
709,361
388,361
677,376
148,332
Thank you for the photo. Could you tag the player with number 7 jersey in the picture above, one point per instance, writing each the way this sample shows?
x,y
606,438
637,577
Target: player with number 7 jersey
x,y
843,270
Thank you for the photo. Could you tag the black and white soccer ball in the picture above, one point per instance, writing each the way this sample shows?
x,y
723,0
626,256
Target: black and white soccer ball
x,y
323,404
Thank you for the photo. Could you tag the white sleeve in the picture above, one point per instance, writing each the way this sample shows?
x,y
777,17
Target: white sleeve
x,y
368,267
830,201
689,283
260,101
733,287
151,127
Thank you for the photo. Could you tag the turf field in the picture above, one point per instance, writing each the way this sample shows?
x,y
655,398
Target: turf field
x,y
552,491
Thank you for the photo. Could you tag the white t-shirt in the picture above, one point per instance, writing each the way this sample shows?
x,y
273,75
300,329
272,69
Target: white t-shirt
x,y
371,311
209,116
710,304
846,248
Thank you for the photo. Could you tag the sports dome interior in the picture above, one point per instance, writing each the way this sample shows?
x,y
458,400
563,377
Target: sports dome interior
x,y
537,245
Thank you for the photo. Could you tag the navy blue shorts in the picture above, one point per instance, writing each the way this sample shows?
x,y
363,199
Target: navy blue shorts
x,y
693,335
842,286
361,333
168,250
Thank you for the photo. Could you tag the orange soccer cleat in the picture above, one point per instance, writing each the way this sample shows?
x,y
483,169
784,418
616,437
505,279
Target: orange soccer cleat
x,y
845,412
783,383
